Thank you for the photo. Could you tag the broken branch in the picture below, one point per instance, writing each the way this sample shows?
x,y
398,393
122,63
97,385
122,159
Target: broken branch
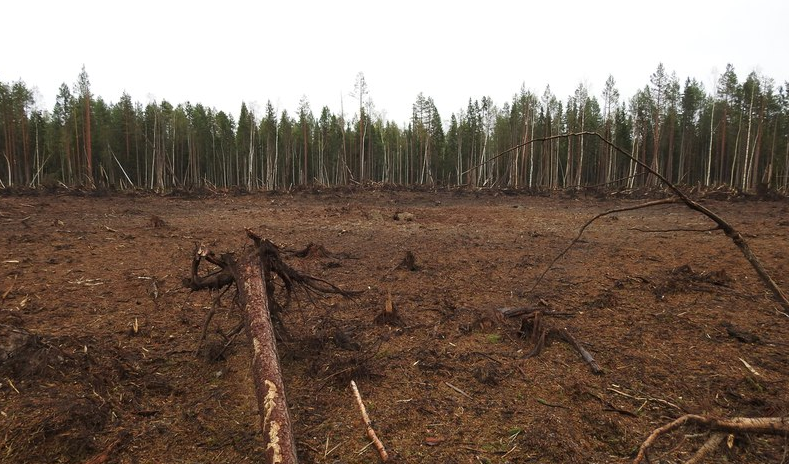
x,y
367,423
588,223
763,425
727,228
538,331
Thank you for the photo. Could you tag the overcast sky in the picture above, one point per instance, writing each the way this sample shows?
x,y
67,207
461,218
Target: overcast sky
x,y
220,53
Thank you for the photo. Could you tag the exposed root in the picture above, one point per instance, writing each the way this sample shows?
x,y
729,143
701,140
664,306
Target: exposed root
x,y
763,425
534,327
214,280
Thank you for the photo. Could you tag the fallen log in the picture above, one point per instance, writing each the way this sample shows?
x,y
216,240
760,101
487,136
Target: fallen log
x,y
253,276
255,302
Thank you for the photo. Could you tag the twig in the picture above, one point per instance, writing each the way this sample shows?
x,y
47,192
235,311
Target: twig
x,y
309,447
638,398
552,405
711,229
329,451
10,288
519,311
458,390
750,368
370,431
358,453
610,406
11,384
514,447
713,442
208,318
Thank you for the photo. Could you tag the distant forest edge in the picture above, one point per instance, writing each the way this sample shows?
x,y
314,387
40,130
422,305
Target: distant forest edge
x,y
736,135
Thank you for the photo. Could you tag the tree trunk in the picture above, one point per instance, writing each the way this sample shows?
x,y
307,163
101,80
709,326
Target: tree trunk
x,y
88,143
747,162
707,176
270,390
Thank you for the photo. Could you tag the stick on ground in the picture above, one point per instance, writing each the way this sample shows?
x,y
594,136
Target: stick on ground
x,y
370,431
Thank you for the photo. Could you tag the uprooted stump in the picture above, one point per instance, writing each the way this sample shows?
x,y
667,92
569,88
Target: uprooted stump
x,y
534,327
253,275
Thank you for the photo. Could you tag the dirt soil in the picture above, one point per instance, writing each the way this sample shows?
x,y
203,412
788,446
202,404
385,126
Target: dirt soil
x,y
100,352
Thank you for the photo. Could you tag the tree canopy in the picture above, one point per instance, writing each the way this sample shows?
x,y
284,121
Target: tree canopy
x,y
736,134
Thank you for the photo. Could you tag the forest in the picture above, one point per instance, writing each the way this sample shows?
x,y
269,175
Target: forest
x,y
736,134
481,320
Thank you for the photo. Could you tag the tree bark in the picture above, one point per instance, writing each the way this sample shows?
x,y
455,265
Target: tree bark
x,y
270,390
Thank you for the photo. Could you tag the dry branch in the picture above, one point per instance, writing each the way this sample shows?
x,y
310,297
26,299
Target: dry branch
x,y
713,442
368,424
763,425
566,336
727,228
588,223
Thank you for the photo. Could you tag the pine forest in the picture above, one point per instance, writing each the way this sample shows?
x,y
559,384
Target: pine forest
x,y
736,134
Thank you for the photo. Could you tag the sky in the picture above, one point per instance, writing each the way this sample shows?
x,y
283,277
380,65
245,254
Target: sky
x,y
220,53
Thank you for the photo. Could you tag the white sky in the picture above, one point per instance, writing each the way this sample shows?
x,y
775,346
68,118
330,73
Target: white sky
x,y
220,53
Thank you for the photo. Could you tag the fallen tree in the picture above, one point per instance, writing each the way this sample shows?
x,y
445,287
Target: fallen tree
x,y
253,275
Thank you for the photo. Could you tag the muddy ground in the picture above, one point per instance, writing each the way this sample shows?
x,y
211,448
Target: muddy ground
x,y
100,350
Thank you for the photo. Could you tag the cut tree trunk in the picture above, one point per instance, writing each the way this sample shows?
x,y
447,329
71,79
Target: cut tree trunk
x,y
270,389
253,276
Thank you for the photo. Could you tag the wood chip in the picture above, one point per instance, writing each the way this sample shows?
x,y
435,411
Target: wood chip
x,y
750,368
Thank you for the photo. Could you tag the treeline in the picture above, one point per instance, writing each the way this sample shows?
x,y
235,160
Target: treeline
x,y
737,134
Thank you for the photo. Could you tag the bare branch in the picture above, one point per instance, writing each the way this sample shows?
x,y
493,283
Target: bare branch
x,y
713,442
638,229
727,228
664,201
764,425
368,424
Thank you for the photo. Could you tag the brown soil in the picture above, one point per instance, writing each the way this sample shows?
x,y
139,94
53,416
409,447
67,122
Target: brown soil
x,y
98,337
